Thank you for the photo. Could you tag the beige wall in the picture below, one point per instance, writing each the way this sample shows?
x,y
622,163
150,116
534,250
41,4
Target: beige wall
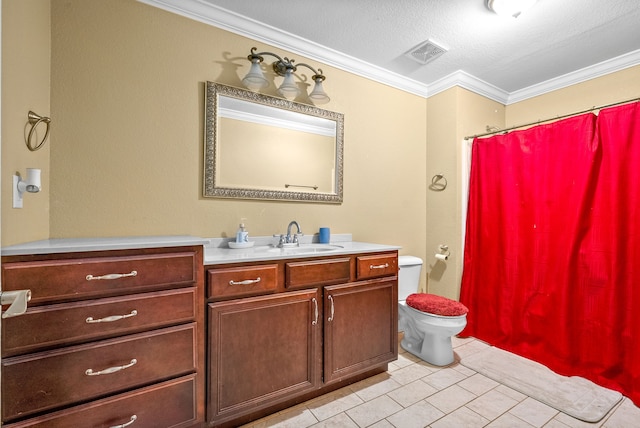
x,y
126,98
127,83
612,88
451,116
26,55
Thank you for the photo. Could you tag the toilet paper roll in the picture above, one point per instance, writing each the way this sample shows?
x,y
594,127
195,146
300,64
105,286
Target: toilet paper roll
x,y
442,256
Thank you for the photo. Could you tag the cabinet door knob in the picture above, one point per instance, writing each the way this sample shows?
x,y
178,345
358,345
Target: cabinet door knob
x,y
131,420
245,282
90,372
384,266
111,318
315,302
330,297
112,276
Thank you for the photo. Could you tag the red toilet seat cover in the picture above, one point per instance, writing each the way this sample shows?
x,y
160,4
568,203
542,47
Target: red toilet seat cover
x,y
436,305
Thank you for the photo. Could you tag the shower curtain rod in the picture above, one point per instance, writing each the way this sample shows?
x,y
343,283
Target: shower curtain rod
x,y
550,119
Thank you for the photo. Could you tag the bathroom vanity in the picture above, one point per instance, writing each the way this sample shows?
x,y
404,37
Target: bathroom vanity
x,y
176,332
285,327
111,336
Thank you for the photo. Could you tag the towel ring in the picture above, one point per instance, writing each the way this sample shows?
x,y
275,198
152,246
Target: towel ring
x,y
438,183
35,120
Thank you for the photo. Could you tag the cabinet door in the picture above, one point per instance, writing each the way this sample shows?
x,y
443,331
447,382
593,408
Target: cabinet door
x,y
360,327
262,350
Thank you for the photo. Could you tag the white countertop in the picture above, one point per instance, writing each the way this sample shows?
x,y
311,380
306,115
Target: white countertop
x,y
218,251
50,246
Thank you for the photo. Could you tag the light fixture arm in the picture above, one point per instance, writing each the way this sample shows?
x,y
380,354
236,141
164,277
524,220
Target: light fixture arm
x,y
280,66
286,68
284,64
317,74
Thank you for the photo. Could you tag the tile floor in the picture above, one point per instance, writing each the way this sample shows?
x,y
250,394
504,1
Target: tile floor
x,y
413,393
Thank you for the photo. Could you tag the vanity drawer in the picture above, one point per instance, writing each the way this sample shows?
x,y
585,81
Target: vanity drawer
x,y
52,379
240,281
317,272
74,279
168,404
376,265
77,322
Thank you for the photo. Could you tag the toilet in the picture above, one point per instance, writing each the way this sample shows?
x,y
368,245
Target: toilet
x,y
428,321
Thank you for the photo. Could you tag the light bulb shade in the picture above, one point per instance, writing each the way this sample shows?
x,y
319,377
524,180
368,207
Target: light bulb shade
x,y
254,80
289,89
510,7
32,183
318,95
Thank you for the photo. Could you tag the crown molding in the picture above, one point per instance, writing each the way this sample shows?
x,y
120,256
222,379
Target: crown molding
x,y
222,18
603,68
202,11
467,81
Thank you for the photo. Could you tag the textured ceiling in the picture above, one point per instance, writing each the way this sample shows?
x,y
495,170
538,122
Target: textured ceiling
x,y
552,39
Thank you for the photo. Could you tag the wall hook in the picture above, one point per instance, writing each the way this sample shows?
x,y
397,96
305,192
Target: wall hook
x,y
35,120
438,183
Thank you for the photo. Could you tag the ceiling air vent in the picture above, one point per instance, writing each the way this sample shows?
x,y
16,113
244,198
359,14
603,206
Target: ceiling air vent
x,y
426,52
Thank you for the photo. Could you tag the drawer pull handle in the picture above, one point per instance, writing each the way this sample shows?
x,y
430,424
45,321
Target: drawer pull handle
x,y
111,318
245,282
132,420
384,266
315,302
90,372
112,276
332,308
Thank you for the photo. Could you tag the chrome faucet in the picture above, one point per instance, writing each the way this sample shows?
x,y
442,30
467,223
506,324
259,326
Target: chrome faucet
x,y
288,238
293,223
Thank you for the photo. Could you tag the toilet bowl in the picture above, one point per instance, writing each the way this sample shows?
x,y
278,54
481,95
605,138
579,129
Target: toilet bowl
x,y
428,321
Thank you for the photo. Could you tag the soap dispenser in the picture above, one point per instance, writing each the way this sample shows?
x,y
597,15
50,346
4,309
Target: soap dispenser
x,y
242,235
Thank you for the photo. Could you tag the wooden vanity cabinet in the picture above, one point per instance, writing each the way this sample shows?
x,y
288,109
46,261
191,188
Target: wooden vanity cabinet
x,y
106,335
319,327
360,327
263,350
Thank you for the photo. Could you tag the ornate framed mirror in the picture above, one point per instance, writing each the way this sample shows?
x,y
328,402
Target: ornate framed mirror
x,y
262,147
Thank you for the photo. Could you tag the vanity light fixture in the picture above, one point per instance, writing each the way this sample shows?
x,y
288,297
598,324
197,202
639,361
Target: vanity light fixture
x,y
285,67
510,7
32,184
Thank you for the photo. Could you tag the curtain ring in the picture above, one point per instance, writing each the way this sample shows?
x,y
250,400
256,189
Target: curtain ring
x,y
35,120
438,183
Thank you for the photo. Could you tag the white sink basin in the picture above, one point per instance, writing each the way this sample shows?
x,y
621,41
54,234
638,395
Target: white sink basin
x,y
306,249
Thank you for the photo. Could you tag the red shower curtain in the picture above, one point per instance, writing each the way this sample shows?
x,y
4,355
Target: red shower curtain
x,y
552,254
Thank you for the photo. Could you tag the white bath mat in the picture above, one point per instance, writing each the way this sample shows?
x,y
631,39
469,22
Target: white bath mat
x,y
575,396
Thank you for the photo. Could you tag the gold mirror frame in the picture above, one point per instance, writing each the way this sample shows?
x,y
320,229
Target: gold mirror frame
x,y
212,146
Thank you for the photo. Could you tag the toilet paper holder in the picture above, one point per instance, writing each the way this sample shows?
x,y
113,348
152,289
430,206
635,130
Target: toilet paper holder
x,y
17,301
443,252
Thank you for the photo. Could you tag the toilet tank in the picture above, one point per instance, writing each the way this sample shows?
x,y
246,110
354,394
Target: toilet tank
x,y
408,276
